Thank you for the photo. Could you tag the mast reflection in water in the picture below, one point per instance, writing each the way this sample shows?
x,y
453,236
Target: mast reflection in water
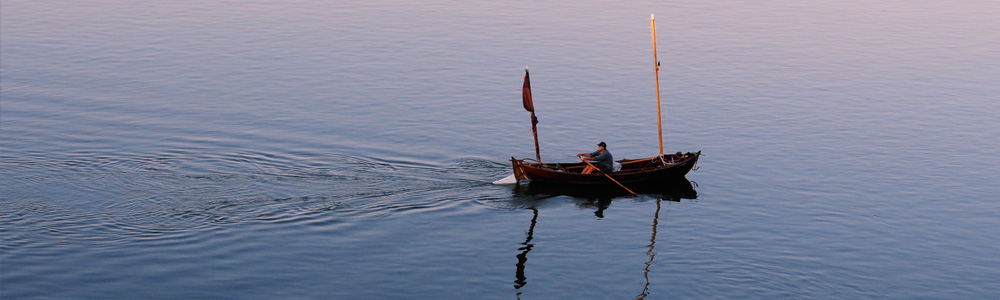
x,y
523,257
650,252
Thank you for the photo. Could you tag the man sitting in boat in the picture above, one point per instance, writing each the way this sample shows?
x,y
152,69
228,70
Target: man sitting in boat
x,y
601,158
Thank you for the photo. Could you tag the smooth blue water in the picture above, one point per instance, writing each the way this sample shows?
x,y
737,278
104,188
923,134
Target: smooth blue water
x,y
344,150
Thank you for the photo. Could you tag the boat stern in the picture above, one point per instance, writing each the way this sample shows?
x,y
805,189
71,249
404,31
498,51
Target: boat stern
x,y
518,173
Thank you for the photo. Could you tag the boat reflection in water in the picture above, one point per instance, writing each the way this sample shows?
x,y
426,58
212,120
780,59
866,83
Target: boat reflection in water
x,y
673,190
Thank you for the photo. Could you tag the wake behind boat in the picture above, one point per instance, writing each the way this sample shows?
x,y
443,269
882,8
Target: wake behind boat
x,y
654,169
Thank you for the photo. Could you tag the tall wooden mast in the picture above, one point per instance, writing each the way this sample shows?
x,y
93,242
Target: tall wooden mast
x,y
659,118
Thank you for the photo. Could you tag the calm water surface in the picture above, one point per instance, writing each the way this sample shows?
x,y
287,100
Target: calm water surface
x,y
344,150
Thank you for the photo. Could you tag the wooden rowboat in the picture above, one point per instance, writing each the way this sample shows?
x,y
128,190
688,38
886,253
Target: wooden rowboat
x,y
633,171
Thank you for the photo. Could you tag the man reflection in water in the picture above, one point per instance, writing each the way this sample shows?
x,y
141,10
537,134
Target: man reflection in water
x,y
602,204
601,158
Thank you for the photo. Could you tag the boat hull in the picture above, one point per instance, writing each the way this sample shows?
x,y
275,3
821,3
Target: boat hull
x,y
634,171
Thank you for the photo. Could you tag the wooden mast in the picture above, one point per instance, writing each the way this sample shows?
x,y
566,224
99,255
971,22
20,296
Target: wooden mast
x,y
659,118
534,131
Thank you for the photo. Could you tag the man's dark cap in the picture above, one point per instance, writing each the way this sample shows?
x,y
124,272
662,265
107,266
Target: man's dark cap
x,y
602,144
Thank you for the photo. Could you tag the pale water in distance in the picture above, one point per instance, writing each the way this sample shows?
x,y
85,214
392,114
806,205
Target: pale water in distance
x,y
346,149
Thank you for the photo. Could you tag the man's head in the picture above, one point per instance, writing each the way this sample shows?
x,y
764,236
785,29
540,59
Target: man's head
x,y
602,146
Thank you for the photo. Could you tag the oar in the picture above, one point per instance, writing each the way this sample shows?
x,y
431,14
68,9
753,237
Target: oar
x,y
609,176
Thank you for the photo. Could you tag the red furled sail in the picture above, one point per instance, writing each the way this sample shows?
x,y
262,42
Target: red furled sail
x,y
526,98
526,93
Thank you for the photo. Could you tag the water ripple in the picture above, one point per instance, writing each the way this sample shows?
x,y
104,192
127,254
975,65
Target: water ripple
x,y
171,195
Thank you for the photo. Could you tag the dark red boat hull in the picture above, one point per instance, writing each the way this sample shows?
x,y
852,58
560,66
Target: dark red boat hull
x,y
635,171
